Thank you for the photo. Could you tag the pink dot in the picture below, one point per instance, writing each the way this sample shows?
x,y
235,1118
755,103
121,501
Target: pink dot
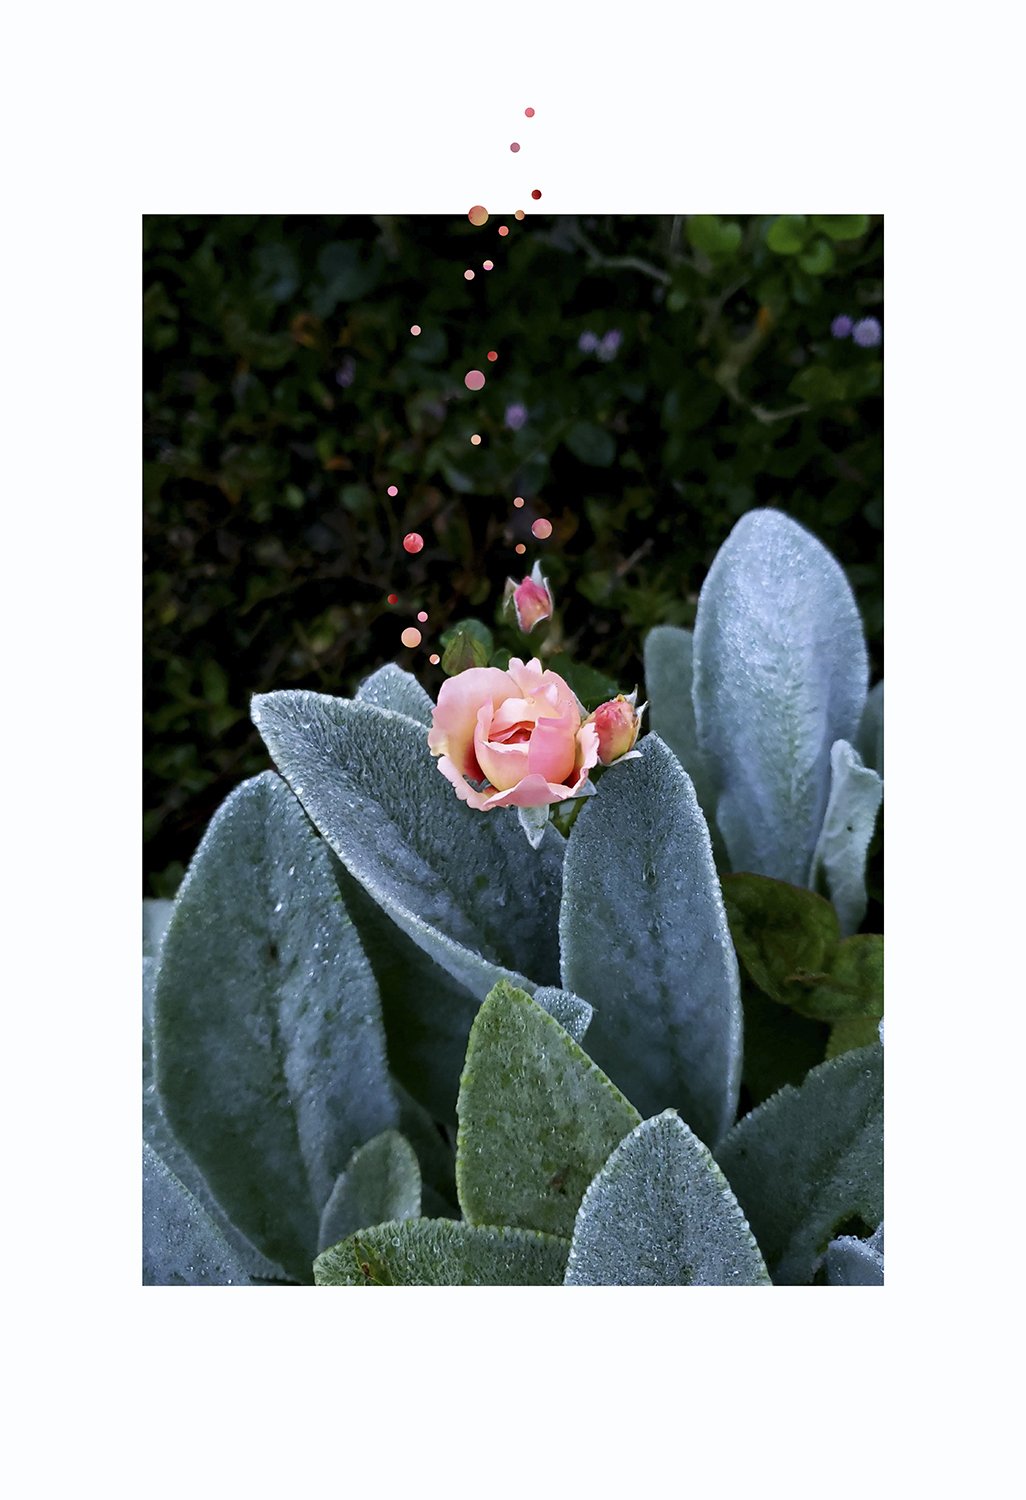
x,y
434,660
488,265
542,529
468,275
473,380
413,542
410,636
415,329
529,113
392,490
515,146
476,439
422,615
519,502
503,229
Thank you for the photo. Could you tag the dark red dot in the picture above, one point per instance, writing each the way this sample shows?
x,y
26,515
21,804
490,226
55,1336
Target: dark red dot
x,y
515,146
536,193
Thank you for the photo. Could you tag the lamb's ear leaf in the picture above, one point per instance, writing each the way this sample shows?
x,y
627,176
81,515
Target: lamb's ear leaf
x,y
439,1252
269,1048
809,1160
669,671
645,940
391,687
371,786
661,1213
537,1118
381,1183
156,916
780,674
854,1262
572,1013
870,742
840,857
182,1246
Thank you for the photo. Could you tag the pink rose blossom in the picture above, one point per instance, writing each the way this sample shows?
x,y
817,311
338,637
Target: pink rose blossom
x,y
617,723
531,599
519,731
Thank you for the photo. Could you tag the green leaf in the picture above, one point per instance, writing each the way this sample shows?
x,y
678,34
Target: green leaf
x,y
841,226
476,629
854,1262
788,234
809,1160
715,237
782,933
381,1183
270,1054
592,687
819,385
818,259
391,687
591,444
537,1118
850,1034
462,652
854,985
780,1045
439,1252
661,1213
368,781
839,860
780,674
668,677
182,1246
156,915
645,940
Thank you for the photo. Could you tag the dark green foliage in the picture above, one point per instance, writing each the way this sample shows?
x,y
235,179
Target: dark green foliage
x,y
283,394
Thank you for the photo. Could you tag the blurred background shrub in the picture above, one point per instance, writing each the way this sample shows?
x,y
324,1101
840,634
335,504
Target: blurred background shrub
x,y
656,378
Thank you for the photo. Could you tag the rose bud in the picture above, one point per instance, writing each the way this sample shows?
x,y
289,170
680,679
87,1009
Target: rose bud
x,y
531,599
617,723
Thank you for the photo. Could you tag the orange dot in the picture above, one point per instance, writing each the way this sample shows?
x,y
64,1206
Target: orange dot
x,y
519,214
493,355
520,549
410,636
519,502
475,439
536,194
478,215
422,615
542,529
413,542
415,329
473,380
503,229
468,275
434,660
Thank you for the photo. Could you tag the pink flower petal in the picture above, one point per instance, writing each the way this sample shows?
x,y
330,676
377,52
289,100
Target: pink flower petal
x,y
454,717
504,765
553,746
477,800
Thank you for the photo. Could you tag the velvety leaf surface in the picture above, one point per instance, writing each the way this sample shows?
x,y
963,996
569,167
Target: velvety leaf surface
x,y
780,674
669,668
854,1262
270,1055
391,687
182,1246
870,743
572,1013
537,1118
156,915
645,940
840,858
808,1160
381,1183
439,1252
463,884
661,1213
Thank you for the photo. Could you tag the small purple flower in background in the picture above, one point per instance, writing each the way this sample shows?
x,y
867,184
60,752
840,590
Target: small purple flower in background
x,y
611,342
841,326
516,416
867,333
588,342
346,372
